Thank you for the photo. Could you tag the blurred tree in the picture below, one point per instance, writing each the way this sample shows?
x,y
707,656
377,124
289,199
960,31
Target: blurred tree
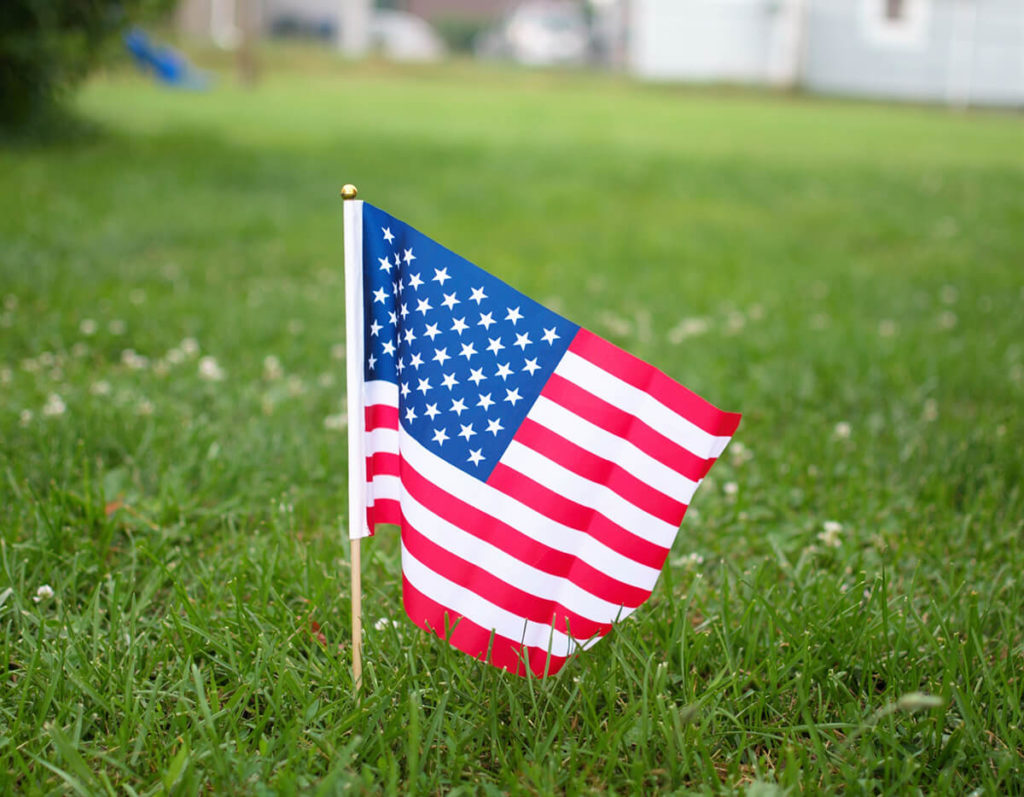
x,y
48,46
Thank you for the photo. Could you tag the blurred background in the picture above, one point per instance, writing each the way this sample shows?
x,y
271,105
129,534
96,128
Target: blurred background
x,y
960,52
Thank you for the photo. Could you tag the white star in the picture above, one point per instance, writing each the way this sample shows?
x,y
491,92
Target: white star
x,y
485,401
504,371
513,315
449,381
460,325
404,311
531,366
410,415
486,319
467,431
432,331
375,328
409,256
387,234
385,264
415,281
476,456
458,406
405,389
468,350
550,335
392,318
389,347
440,355
432,411
478,295
495,345
440,436
423,386
522,341
396,286
513,396
450,301
422,305
409,336
416,361
380,295
494,426
440,275
400,365
476,375
371,361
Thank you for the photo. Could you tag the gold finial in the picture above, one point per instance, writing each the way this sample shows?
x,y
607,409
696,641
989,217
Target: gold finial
x,y
348,191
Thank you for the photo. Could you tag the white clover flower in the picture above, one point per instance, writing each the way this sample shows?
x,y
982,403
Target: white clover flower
x,y
6,375
756,312
175,356
296,387
947,320
79,350
46,359
830,535
44,593
100,387
272,370
295,326
949,294
137,296
336,423
687,328
210,370
739,453
54,406
144,407
189,346
30,364
886,328
842,430
87,326
134,361
730,488
338,351
735,322
24,418
116,327
931,410
161,368
325,379
383,623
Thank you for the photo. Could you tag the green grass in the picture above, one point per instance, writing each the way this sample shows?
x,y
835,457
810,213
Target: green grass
x,y
847,275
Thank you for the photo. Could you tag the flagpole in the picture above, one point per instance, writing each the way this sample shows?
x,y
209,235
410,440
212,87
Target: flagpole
x,y
354,404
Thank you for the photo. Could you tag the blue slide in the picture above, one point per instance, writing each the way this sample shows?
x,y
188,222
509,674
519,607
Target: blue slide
x,y
166,65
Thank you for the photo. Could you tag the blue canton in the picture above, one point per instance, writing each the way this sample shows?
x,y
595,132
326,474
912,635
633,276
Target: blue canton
x,y
468,353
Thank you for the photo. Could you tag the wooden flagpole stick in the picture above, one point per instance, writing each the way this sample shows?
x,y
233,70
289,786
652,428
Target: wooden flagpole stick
x,y
354,404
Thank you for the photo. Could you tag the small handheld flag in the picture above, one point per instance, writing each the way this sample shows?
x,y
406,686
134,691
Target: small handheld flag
x,y
538,473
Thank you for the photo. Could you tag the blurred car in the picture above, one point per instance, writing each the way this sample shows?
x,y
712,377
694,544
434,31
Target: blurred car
x,y
402,36
540,33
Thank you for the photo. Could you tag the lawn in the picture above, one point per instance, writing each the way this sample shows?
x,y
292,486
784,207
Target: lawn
x,y
842,611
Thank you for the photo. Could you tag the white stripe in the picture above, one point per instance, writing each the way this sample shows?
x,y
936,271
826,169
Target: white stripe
x,y
509,569
589,494
382,441
383,487
380,391
615,449
641,404
524,519
484,613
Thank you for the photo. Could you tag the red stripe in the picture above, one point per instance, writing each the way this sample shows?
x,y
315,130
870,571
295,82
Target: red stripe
x,y
549,560
649,379
576,516
384,510
473,639
600,471
383,463
492,589
381,416
620,423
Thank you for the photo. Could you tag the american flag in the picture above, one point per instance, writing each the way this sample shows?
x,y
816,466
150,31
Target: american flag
x,y
538,473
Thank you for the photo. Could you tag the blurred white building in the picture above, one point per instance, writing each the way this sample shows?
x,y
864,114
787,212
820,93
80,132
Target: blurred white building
x,y
965,52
